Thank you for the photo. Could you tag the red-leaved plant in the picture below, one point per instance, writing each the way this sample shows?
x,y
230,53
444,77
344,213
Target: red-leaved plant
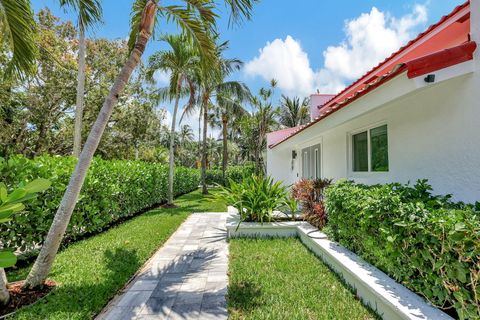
x,y
310,194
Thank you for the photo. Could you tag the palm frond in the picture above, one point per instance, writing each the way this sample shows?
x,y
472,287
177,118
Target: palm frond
x,y
240,9
89,11
18,30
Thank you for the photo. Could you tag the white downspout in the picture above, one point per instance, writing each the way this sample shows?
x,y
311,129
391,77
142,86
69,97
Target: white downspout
x,y
475,29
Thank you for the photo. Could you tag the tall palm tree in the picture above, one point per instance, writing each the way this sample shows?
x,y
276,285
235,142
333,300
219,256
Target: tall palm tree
x,y
213,85
197,19
292,112
229,105
89,13
182,62
17,31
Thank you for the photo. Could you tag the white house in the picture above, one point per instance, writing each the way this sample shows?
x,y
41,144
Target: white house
x,y
416,115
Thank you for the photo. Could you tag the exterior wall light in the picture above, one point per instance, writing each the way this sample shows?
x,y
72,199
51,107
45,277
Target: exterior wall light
x,y
430,78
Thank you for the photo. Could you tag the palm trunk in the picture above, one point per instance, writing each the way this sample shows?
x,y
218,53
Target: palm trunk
x,y
225,146
43,264
200,135
205,147
172,143
77,137
4,295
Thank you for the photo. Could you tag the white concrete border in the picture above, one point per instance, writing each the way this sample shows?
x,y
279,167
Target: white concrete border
x,y
388,298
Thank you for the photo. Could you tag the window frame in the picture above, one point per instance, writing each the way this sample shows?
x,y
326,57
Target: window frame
x,y
351,155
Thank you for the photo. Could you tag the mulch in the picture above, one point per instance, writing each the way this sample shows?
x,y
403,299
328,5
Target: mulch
x,y
21,298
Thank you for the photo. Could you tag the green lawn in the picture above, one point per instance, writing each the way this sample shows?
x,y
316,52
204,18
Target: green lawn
x,y
281,279
90,272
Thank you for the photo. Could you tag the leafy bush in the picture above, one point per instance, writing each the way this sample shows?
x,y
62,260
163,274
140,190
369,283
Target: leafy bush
x,y
255,197
113,190
427,242
234,173
310,193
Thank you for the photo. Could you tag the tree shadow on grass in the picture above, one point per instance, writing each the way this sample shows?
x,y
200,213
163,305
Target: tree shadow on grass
x,y
82,298
244,296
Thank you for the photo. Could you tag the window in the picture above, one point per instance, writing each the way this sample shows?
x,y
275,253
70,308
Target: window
x,y
370,150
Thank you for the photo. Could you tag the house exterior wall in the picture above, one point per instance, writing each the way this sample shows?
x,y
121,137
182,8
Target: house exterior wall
x,y
433,133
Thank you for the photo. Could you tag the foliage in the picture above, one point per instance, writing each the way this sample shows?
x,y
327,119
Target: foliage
x,y
91,271
113,190
14,203
293,112
255,197
426,242
281,279
233,173
310,193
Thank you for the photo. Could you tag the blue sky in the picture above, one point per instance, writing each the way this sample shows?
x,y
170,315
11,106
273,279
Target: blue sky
x,y
307,44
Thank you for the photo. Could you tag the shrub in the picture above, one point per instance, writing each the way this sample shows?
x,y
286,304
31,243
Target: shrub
x,y
113,190
234,173
310,194
255,197
427,242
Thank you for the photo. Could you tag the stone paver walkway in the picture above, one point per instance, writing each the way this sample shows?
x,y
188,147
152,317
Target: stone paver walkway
x,y
185,279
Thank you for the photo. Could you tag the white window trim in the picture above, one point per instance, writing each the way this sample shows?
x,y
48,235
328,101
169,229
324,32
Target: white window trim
x,y
350,149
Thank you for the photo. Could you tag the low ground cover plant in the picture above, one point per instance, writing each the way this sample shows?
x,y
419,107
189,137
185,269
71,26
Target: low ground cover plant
x,y
113,190
255,197
427,242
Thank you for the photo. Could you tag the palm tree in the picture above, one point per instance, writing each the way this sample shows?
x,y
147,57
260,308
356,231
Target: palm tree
x,y
186,134
292,113
229,106
89,13
18,32
212,84
181,62
197,19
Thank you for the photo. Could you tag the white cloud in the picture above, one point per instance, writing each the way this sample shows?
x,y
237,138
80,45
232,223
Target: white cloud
x,y
162,78
370,38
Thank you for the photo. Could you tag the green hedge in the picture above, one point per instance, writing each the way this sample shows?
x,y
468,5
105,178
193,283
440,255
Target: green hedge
x,y
113,190
426,242
235,173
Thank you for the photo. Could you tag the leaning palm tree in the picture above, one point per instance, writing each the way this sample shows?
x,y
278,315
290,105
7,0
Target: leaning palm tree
x,y
181,62
292,112
197,19
89,13
17,32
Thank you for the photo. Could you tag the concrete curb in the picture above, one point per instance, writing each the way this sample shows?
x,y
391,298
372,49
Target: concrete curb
x,y
387,297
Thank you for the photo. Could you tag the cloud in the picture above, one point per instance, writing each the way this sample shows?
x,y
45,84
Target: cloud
x,y
369,39
162,78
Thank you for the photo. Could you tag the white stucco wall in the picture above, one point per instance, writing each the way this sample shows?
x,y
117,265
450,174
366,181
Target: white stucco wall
x,y
433,132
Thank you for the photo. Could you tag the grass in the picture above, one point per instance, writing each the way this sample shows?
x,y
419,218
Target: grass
x,y
282,279
91,271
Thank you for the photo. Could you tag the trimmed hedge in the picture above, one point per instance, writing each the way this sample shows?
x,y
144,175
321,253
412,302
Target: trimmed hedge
x,y
426,242
113,190
235,173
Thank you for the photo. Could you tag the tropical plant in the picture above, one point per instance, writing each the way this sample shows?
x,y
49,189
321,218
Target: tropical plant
x,y
293,113
211,80
427,242
181,62
197,19
229,105
255,197
10,204
18,31
310,193
89,12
